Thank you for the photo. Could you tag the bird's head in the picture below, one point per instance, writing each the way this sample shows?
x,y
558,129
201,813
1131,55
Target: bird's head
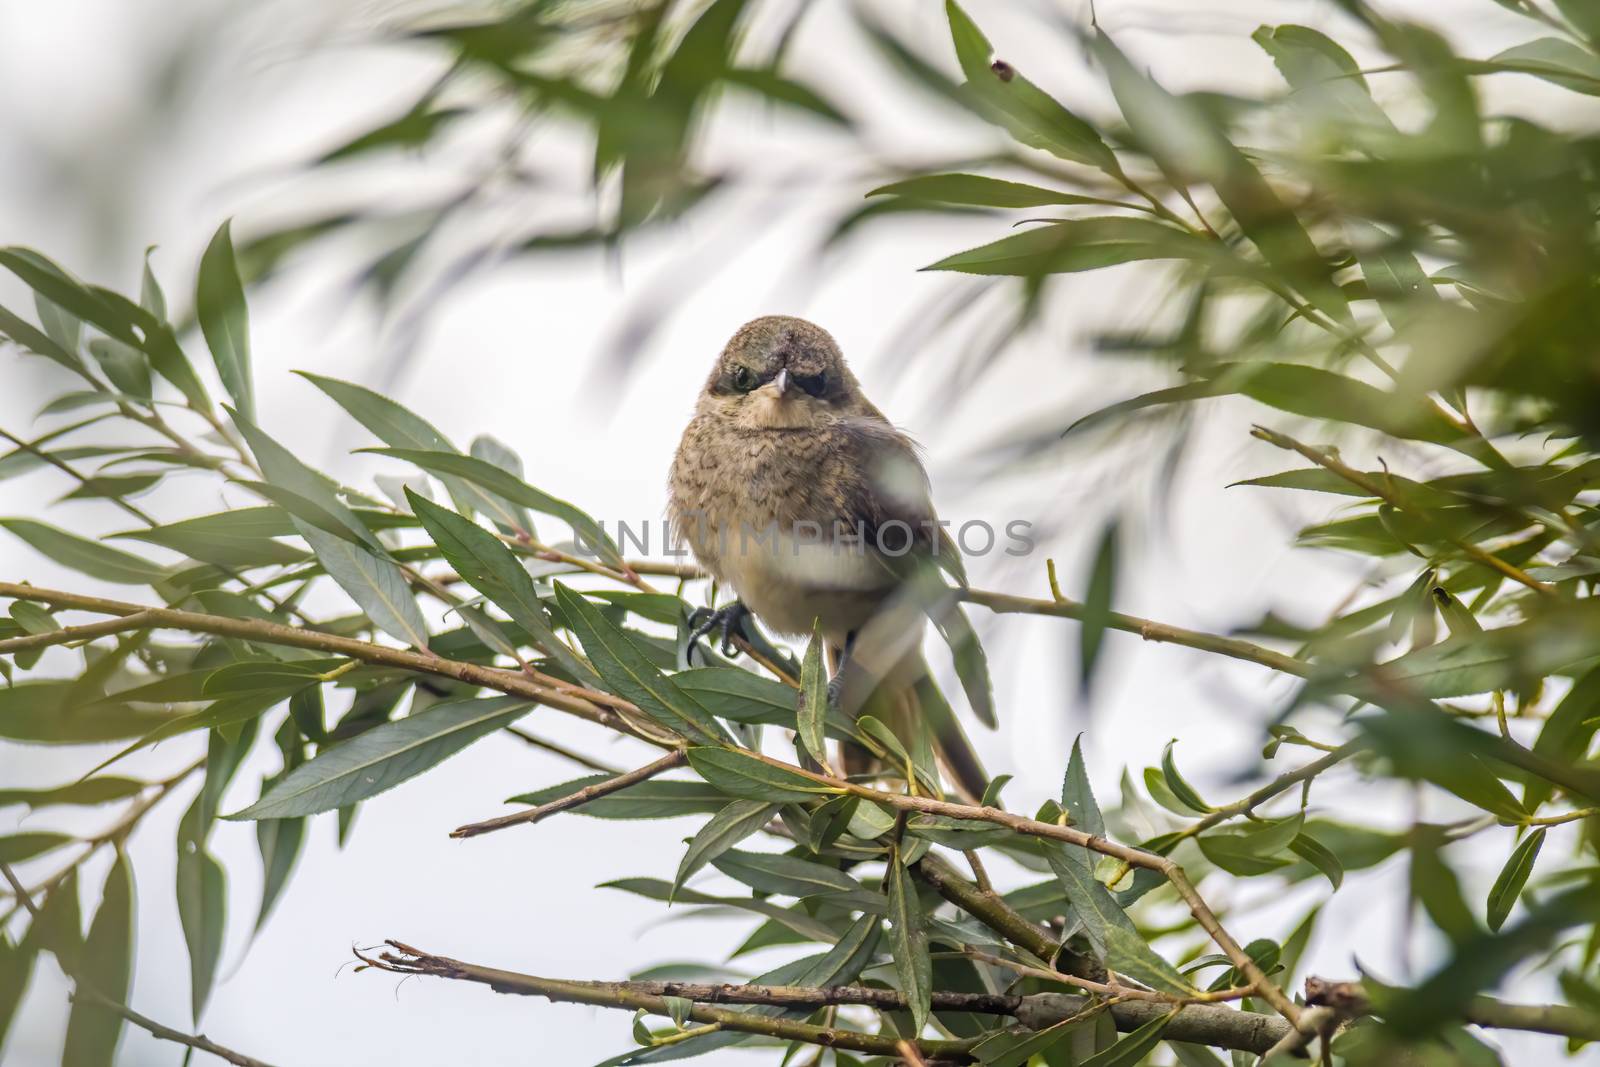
x,y
781,373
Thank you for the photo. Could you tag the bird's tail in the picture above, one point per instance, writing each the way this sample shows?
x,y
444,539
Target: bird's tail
x,y
908,702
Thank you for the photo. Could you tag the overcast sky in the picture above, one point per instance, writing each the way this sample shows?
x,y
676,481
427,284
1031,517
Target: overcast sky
x,y
128,123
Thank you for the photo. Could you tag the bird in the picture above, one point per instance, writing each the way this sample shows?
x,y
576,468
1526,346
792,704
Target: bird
x,y
793,489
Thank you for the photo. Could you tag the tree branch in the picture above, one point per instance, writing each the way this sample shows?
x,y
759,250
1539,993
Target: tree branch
x,y
672,759
68,634
408,960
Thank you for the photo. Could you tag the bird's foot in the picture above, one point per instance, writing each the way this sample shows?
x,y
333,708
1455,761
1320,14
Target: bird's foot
x,y
729,620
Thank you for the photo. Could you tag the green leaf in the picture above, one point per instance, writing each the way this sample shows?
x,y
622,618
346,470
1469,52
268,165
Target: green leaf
x,y
54,712
279,841
382,757
630,675
1566,734
971,663
399,427
224,318
1513,876
740,774
85,556
14,848
266,677
726,828
1133,1048
1097,603
909,938
656,798
1327,82
490,568
1008,99
1111,933
1319,856
1078,798
813,698
1552,59
590,535
59,927
374,583
1252,852
1186,793
243,537
1319,394
202,911
107,968
789,876
978,191
284,471
740,695
1436,886
88,791
16,967
1187,145
1074,245
1014,1048
32,618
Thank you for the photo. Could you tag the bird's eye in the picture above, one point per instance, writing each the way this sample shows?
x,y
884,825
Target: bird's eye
x,y
743,379
814,384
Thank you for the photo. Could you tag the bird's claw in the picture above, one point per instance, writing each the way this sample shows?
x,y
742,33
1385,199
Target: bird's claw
x,y
728,619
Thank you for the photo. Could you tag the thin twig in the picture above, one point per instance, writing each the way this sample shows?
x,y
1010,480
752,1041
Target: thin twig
x,y
672,759
560,750
68,634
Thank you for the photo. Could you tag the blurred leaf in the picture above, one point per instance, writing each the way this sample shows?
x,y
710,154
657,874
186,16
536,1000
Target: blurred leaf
x,y
107,968
14,848
16,967
909,939
1097,603
979,191
1327,82
1072,245
202,911
740,774
1513,876
1187,145
1319,856
1566,734
225,320
383,757
726,828
52,712
83,555
413,129
1553,59
630,675
88,791
1186,794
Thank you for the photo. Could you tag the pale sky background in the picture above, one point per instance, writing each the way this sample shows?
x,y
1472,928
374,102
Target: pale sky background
x,y
135,122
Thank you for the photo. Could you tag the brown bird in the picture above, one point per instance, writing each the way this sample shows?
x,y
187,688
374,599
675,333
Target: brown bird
x,y
793,489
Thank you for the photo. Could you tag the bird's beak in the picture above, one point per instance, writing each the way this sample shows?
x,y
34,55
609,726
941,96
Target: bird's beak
x,y
781,382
